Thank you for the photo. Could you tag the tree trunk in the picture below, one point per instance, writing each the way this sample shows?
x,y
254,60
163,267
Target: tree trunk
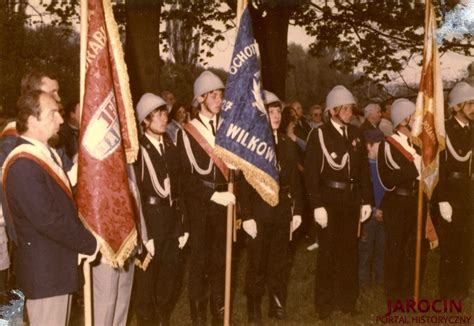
x,y
142,46
271,33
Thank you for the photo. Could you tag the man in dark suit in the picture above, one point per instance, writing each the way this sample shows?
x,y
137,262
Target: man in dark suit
x,y
373,115
302,127
159,182
39,198
205,186
338,182
270,228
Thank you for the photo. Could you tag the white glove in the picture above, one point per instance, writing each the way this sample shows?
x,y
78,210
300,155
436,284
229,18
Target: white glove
x,y
365,211
150,246
183,240
295,222
250,226
223,198
321,216
446,211
417,161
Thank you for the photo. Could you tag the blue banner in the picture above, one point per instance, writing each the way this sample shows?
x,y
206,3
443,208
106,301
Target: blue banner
x,y
244,139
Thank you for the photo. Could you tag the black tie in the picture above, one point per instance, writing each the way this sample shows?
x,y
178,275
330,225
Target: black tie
x,y
54,157
162,149
211,122
344,132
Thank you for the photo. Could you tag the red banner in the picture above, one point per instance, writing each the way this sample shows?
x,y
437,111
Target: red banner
x,y
428,128
107,138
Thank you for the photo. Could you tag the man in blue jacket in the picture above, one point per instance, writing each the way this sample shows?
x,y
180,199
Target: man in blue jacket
x,y
39,198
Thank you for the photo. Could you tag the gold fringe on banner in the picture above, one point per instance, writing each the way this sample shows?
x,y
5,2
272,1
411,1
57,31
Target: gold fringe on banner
x,y
115,259
117,51
265,185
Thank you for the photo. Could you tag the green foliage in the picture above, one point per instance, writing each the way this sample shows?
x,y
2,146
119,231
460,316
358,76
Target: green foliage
x,y
309,79
370,35
54,48
179,79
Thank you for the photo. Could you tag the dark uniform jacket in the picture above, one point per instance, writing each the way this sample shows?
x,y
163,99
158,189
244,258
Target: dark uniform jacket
x,y
193,185
290,185
318,172
403,177
455,175
49,232
161,222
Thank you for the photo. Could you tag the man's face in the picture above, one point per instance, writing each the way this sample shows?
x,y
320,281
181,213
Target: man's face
x,y
157,124
298,109
170,98
274,113
468,110
386,113
212,101
46,126
375,115
51,87
345,113
316,115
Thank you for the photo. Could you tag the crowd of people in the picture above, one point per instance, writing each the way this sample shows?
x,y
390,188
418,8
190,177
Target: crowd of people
x,y
349,181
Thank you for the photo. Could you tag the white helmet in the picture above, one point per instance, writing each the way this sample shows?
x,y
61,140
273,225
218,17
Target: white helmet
x,y
338,96
147,104
206,82
401,109
270,97
461,92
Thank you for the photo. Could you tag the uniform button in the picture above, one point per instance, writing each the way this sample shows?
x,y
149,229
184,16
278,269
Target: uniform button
x,y
28,243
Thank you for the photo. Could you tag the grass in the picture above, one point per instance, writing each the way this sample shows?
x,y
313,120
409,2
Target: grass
x,y
300,307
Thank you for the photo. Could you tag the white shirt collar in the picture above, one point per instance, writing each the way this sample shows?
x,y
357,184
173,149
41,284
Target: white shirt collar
x,y
206,120
463,124
36,143
155,142
338,127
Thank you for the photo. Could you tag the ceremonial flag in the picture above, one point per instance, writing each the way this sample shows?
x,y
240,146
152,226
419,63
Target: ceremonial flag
x,y
244,139
428,128
107,138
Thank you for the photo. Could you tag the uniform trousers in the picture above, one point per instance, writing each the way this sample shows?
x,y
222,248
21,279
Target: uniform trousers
x,y
400,221
267,254
159,286
336,285
112,288
455,248
52,311
208,248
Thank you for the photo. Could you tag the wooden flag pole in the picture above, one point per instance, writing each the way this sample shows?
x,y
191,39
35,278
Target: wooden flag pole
x,y
419,217
82,61
228,252
230,217
418,241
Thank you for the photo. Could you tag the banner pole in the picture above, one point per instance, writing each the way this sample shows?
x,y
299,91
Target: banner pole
x,y
418,242
228,252
87,294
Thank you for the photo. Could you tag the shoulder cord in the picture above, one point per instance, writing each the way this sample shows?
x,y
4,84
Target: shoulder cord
x,y
164,191
456,156
392,165
329,159
192,159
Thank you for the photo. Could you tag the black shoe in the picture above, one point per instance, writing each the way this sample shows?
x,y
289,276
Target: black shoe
x,y
217,310
198,312
277,308
254,311
164,314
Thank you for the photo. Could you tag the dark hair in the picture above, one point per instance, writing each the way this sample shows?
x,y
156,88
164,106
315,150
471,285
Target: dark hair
x,y
287,117
163,107
174,110
28,105
32,80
